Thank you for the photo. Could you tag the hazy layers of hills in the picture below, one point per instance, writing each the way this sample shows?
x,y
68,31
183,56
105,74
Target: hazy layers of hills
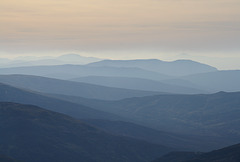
x,y
130,110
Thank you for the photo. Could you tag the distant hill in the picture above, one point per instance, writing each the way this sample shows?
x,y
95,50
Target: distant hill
x,y
33,134
76,59
227,154
228,80
174,68
138,84
12,94
49,85
73,71
47,60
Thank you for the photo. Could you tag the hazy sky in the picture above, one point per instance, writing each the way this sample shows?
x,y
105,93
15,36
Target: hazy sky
x,y
204,30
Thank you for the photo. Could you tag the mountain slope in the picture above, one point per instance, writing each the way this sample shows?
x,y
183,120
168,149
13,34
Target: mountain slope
x,y
174,68
32,134
227,154
180,141
178,157
199,122
227,80
12,94
213,114
49,85
138,84
47,60
74,71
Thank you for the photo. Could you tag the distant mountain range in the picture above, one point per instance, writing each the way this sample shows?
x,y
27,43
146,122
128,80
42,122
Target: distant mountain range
x,y
47,60
174,68
32,134
135,74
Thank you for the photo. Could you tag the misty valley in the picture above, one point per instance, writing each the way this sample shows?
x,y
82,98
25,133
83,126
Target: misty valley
x,y
78,109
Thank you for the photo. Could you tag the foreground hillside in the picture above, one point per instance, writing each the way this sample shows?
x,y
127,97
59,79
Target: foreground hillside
x,y
227,154
4,158
32,134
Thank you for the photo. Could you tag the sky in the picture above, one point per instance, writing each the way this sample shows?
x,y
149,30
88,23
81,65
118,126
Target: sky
x,y
202,30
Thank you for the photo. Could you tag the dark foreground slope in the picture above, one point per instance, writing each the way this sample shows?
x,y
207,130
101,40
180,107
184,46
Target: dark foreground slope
x,y
32,134
4,158
178,157
227,154
174,140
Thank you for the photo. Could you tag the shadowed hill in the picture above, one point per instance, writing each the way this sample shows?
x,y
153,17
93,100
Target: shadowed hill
x,y
178,157
227,154
33,134
4,158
